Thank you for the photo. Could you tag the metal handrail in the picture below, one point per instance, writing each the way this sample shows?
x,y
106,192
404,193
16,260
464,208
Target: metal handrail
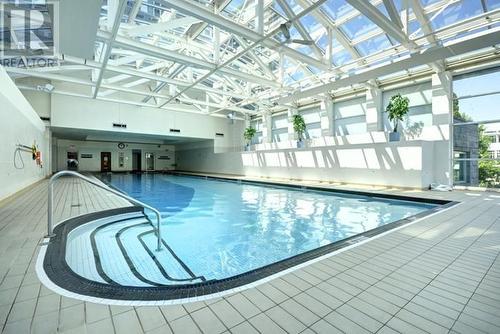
x,y
50,226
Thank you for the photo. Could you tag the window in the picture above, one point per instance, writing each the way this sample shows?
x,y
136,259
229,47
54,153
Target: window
x,y
420,113
257,125
312,118
461,170
350,116
279,128
477,124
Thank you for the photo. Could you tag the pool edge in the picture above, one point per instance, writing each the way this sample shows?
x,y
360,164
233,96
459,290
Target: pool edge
x,y
57,271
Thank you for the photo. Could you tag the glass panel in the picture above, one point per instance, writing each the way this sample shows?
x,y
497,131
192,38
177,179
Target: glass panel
x,y
350,116
279,127
312,118
477,129
457,12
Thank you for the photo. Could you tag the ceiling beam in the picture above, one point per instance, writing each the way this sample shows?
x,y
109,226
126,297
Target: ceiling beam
x,y
177,57
108,44
192,9
150,76
61,78
300,27
423,20
252,46
134,11
374,15
393,13
326,21
481,40
161,26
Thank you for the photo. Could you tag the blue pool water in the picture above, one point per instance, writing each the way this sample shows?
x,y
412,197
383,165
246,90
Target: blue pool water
x,y
222,228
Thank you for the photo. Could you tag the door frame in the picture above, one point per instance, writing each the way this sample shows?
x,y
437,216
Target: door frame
x,y
103,154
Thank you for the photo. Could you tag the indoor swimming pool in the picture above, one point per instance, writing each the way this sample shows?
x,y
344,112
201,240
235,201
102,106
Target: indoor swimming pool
x,y
216,233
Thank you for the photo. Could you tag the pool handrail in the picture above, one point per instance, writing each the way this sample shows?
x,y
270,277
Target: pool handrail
x,y
50,225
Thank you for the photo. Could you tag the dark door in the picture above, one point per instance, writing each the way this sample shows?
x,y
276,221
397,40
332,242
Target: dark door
x,y
136,160
105,161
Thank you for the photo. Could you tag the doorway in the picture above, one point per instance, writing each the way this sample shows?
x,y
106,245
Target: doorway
x,y
136,161
105,161
150,161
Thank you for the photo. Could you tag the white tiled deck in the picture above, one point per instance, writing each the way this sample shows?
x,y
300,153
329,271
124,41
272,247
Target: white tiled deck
x,y
439,275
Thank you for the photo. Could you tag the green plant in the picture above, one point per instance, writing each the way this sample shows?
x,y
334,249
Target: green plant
x,y
397,109
299,126
457,114
249,134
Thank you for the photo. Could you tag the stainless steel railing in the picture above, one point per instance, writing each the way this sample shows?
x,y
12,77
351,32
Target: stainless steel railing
x,y
50,223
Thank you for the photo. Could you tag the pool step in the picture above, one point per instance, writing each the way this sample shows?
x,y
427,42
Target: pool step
x,y
121,250
79,246
138,244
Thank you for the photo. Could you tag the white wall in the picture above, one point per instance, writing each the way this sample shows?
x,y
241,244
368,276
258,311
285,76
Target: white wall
x,y
356,159
354,155
82,113
19,124
95,148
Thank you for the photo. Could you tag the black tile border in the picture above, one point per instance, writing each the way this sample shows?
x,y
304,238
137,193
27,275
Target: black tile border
x,y
58,271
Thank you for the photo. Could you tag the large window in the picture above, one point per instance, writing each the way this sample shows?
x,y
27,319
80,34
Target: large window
x,y
257,124
279,127
420,113
312,118
350,116
476,117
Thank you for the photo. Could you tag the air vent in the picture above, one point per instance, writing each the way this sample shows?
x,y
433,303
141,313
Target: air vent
x,y
45,118
175,130
218,134
119,125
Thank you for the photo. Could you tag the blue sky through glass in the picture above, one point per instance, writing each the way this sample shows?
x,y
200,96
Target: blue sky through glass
x,y
479,108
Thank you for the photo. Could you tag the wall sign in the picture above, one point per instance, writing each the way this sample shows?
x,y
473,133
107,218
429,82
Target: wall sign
x,y
86,156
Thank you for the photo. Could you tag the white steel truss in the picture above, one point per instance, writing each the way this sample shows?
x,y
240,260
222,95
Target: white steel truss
x,y
233,55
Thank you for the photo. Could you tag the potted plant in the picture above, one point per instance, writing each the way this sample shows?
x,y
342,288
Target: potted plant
x,y
299,126
248,135
397,109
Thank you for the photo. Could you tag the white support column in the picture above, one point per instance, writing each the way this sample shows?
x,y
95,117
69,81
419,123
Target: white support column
x,y
327,117
442,117
281,73
442,98
259,16
291,133
267,133
247,121
374,120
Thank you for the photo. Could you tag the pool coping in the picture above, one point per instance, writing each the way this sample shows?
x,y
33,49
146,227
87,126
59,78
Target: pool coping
x,y
59,273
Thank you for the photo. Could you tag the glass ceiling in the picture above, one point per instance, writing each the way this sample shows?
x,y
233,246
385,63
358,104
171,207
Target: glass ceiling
x,y
333,38
229,55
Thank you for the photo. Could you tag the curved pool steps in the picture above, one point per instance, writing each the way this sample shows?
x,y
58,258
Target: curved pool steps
x,y
120,250
154,267
79,242
111,261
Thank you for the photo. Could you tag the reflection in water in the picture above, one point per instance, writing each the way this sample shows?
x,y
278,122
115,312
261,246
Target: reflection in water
x,y
220,229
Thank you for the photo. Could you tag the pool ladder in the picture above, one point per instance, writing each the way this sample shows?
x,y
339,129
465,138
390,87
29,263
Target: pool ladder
x,y
50,224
